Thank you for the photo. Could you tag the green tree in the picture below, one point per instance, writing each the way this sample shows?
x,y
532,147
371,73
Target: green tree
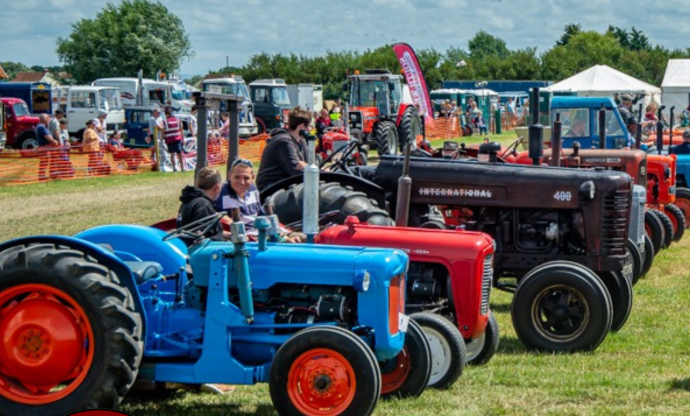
x,y
483,45
570,30
13,68
136,34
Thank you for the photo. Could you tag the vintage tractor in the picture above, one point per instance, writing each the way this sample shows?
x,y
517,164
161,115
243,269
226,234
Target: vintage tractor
x,y
560,234
83,317
381,111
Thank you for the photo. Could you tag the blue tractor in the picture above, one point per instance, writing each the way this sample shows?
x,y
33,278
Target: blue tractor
x,y
83,317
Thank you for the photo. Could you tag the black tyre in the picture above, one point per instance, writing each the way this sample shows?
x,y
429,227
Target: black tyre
x,y
634,253
288,204
649,253
448,352
620,290
407,375
678,219
361,159
654,229
561,307
386,138
668,227
410,127
326,371
683,202
26,141
481,349
434,224
72,339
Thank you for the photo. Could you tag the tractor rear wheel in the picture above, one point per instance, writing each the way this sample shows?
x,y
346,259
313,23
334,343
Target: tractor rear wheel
x,y
649,253
620,290
410,127
654,229
678,219
481,349
448,352
386,138
683,202
561,307
668,227
288,204
408,374
634,253
327,371
71,339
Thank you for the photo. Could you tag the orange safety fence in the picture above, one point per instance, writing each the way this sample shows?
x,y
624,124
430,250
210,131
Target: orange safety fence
x,y
443,128
66,163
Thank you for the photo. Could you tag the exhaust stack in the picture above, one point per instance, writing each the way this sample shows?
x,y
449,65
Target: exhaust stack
x,y
402,208
310,212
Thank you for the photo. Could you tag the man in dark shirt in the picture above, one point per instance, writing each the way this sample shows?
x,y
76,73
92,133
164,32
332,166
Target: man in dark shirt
x,y
285,153
683,148
45,140
197,203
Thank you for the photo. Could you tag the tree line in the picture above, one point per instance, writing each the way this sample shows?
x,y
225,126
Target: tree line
x,y
102,47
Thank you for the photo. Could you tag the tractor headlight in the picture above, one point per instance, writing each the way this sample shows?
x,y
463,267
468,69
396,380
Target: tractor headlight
x,y
362,281
587,190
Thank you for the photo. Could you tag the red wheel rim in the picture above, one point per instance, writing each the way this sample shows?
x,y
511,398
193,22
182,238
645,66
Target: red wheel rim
x,y
392,380
45,344
673,221
321,382
684,206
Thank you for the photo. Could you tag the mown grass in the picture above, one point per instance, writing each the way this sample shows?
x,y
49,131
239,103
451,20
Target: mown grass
x,y
642,370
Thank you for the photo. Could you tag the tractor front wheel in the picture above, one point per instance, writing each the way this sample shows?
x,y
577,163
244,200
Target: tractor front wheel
x,y
683,202
561,307
620,290
633,252
386,138
70,337
408,374
668,227
649,253
677,217
481,349
448,351
325,371
654,229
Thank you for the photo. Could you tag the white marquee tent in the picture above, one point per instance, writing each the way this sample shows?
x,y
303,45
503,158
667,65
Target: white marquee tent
x,y
675,88
602,80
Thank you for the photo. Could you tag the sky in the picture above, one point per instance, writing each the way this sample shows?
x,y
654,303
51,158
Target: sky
x,y
232,31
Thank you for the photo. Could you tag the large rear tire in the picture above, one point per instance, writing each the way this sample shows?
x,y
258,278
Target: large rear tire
x,y
561,307
408,374
481,349
410,127
324,371
288,204
448,352
386,138
71,338
620,290
678,219
668,227
683,202
654,229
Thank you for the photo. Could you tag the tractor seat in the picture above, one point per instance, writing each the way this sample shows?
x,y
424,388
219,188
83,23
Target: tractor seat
x,y
144,270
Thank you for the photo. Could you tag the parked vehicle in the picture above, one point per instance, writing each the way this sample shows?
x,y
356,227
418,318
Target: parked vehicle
x,y
308,96
235,85
3,127
38,96
83,103
153,93
381,112
19,124
271,103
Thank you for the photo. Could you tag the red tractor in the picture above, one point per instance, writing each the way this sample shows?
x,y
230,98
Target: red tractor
x,y
381,111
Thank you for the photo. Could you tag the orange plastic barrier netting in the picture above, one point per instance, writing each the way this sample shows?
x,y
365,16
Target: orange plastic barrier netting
x,y
443,128
66,163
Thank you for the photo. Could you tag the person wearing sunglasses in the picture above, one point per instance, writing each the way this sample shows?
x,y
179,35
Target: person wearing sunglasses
x,y
285,153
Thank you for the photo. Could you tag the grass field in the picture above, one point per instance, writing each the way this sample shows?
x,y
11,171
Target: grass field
x,y
642,370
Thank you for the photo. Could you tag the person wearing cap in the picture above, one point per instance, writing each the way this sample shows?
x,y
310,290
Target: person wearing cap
x,y
625,107
683,148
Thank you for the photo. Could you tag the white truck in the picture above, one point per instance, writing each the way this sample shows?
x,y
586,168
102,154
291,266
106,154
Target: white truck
x,y
154,93
307,96
83,103
235,85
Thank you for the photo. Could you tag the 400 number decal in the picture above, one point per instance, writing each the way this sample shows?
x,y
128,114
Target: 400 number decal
x,y
562,196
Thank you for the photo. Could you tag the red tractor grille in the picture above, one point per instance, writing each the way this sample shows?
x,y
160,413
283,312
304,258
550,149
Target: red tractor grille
x,y
487,281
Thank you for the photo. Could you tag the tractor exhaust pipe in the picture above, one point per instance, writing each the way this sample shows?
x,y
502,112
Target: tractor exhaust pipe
x,y
556,141
602,127
659,130
638,132
670,127
310,211
535,131
402,207
244,283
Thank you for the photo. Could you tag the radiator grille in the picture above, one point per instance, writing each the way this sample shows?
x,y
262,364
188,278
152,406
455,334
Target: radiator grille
x,y
487,281
613,237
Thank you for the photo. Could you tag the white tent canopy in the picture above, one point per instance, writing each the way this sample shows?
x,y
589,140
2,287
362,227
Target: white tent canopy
x,y
675,88
602,80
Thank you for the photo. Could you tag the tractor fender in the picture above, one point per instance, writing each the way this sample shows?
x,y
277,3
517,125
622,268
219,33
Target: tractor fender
x,y
401,111
102,256
372,190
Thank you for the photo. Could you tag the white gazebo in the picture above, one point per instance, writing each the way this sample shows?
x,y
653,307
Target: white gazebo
x,y
675,88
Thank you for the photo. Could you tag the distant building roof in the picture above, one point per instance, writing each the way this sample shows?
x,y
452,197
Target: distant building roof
x,y
30,76
3,74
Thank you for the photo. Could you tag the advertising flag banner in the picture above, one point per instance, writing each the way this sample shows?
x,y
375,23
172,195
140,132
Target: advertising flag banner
x,y
415,80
